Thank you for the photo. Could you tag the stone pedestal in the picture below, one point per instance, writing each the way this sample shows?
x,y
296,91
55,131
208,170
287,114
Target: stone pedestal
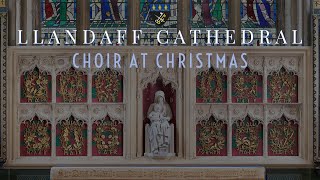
x,y
167,173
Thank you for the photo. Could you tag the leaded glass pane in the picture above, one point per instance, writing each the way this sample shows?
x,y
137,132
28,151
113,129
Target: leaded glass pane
x,y
156,15
57,15
207,15
110,15
257,15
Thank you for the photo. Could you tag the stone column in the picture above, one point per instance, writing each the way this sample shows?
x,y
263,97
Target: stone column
x,y
133,19
36,17
83,19
12,22
235,20
24,20
184,20
307,25
294,14
300,19
296,19
30,19
281,17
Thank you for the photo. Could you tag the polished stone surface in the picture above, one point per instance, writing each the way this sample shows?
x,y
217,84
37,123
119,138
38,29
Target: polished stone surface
x,y
272,174
149,173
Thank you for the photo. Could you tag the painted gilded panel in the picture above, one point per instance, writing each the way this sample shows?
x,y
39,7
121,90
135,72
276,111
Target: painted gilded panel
x,y
211,87
211,137
283,137
247,137
247,87
107,138
36,86
107,86
71,86
71,137
35,137
283,87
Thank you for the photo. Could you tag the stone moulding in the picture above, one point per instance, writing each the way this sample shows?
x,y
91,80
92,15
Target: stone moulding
x,y
142,173
316,127
3,83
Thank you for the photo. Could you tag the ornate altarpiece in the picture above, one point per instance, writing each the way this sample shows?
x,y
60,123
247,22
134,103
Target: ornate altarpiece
x,y
97,116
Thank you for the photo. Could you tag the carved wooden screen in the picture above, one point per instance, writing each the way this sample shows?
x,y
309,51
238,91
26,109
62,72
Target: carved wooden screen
x,y
254,112
65,112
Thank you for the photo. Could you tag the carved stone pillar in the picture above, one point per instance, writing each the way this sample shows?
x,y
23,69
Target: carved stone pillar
x,y
235,20
307,19
12,19
36,17
281,16
294,14
133,19
316,57
183,20
83,20
24,20
30,19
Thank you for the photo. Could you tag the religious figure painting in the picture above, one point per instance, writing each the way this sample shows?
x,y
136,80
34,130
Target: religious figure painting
x,y
108,13
209,13
258,13
58,13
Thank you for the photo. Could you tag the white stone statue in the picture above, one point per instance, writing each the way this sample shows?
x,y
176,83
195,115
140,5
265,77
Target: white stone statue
x,y
159,134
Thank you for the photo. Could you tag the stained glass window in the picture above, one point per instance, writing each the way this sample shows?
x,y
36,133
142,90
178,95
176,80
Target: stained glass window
x,y
57,15
257,15
156,15
108,15
208,14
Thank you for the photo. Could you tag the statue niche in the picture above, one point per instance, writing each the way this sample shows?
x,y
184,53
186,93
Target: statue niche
x,y
159,124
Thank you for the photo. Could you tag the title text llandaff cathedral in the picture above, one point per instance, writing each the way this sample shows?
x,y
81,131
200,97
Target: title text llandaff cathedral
x,y
263,112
